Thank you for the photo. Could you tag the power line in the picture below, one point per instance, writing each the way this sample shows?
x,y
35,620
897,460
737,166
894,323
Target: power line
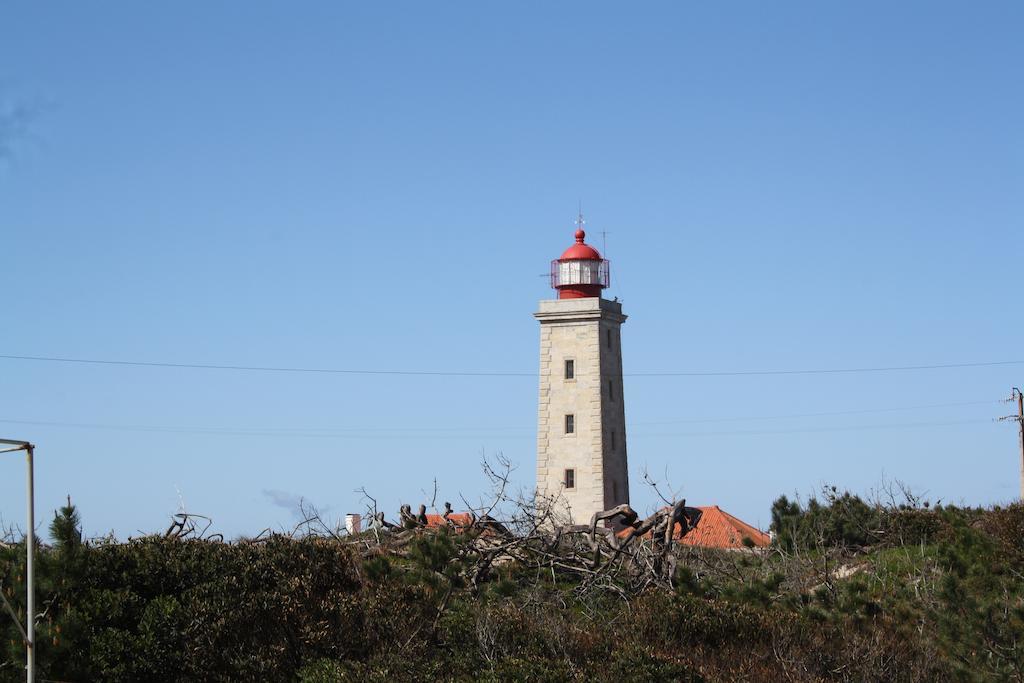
x,y
815,430
259,368
830,413
821,371
491,373
453,433
342,431
286,433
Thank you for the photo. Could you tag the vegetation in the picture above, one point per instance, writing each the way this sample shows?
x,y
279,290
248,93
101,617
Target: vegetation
x,y
851,590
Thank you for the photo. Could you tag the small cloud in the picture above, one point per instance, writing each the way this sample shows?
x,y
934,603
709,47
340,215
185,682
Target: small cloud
x,y
14,125
291,502
282,499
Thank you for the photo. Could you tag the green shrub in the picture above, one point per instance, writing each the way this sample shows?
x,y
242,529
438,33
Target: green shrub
x,y
933,595
843,520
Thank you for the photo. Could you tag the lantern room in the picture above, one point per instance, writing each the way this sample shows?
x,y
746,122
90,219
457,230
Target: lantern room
x,y
580,272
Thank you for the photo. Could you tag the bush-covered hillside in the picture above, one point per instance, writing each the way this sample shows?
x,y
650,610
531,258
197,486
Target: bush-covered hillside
x,y
850,592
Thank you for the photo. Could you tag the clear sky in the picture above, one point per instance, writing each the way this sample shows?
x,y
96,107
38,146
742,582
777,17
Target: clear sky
x,y
380,186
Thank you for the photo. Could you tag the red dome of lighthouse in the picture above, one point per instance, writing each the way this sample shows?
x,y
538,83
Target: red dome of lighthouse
x,y
580,272
581,250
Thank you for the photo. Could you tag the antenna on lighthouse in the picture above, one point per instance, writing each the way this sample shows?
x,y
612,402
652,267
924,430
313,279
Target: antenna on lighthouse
x,y
579,226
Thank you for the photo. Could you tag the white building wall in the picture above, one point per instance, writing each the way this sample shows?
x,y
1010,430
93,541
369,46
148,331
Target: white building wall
x,y
578,330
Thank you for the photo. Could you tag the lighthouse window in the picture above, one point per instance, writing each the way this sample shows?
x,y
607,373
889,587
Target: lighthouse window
x,y
570,479
579,272
611,439
570,369
608,338
570,424
611,390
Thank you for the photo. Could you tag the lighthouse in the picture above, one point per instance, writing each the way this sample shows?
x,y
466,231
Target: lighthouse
x,y
581,418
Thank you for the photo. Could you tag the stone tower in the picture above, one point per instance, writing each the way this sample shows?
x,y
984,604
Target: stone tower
x,y
581,425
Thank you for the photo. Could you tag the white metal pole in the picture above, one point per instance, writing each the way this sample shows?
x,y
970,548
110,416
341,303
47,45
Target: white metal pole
x,y
30,602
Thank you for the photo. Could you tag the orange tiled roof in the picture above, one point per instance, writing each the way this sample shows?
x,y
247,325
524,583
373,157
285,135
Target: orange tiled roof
x,y
458,518
719,529
716,529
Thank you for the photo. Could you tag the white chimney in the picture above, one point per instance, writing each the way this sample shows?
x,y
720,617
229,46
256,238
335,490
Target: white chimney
x,y
353,523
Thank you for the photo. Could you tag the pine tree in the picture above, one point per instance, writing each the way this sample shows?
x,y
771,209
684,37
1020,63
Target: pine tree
x,y
65,529
60,582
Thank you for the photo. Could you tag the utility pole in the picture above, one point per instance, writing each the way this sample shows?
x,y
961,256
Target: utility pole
x,y
1017,396
1020,425
28,631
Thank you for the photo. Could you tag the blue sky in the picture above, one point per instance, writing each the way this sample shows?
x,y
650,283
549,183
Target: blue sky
x,y
784,186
